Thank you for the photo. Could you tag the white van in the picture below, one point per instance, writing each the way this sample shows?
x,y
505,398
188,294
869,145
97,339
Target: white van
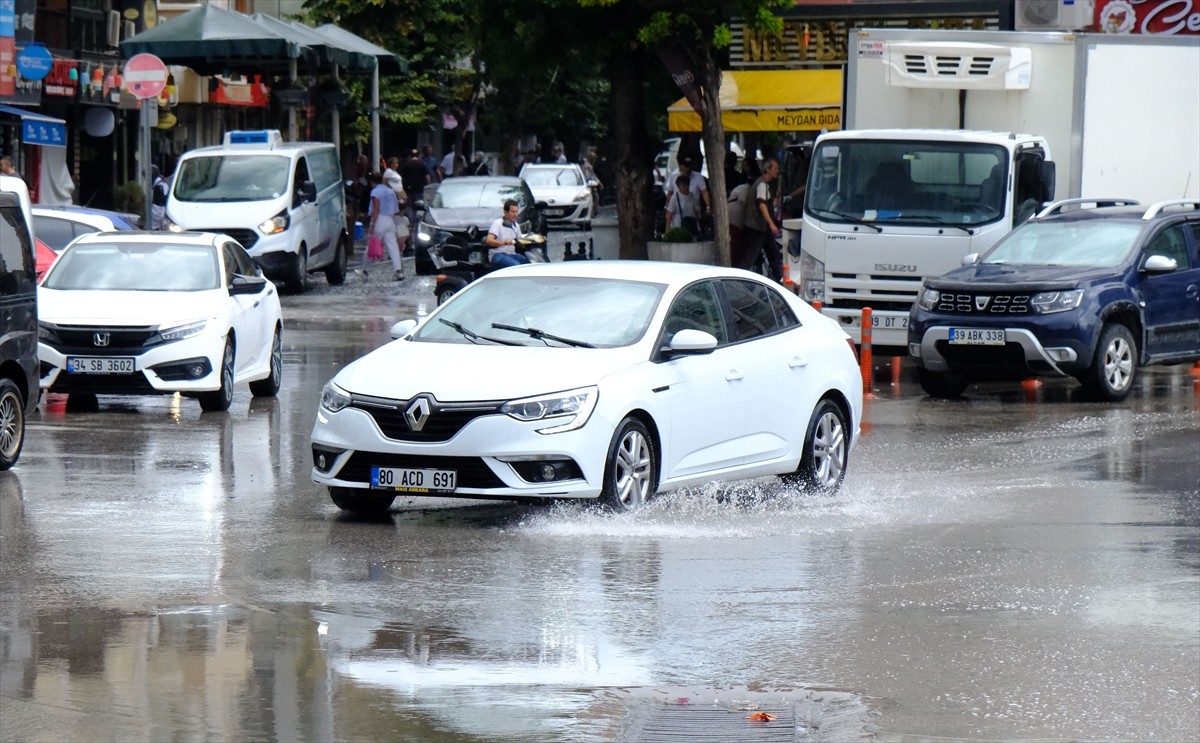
x,y
283,201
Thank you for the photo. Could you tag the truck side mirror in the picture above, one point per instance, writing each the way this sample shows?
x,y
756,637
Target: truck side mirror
x,y
1045,181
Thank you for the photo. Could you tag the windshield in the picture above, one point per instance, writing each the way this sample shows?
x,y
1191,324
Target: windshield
x,y
552,177
605,313
139,266
1093,242
907,182
224,177
455,193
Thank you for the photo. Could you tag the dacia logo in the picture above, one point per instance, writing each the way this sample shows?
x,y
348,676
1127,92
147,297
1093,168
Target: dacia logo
x,y
896,267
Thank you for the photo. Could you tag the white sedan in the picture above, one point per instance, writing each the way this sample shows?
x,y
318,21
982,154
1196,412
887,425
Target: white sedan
x,y
148,313
567,195
591,379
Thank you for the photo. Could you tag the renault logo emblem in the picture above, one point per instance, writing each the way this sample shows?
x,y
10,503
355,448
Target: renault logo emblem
x,y
100,339
981,303
418,413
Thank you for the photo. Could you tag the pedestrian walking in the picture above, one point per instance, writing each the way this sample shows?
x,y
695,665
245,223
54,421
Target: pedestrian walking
x,y
384,207
760,229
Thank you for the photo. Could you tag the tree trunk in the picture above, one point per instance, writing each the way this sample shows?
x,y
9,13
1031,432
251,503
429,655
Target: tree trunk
x,y
713,132
635,217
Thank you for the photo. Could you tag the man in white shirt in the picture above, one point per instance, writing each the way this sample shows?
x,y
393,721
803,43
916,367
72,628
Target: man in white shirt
x,y
502,238
697,185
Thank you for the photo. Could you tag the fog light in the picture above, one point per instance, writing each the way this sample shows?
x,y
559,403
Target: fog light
x,y
547,472
197,370
914,350
324,459
321,462
1061,354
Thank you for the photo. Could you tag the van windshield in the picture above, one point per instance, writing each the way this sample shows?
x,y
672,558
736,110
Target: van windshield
x,y
218,178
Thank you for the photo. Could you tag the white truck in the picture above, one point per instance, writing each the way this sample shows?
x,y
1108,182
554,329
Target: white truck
x,y
951,174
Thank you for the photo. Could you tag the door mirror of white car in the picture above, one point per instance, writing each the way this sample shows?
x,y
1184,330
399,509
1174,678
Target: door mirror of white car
x,y
970,258
1160,264
692,342
403,328
592,183
308,191
241,284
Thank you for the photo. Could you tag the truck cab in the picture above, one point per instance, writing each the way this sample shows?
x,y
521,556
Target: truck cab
x,y
886,208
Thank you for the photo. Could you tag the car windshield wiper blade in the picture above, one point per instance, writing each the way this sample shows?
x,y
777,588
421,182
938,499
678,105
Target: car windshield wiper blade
x,y
542,336
472,336
935,220
848,218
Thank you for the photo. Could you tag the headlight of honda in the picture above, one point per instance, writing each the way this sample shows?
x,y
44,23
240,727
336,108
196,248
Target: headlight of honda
x,y
1048,302
928,298
277,223
334,398
179,332
568,410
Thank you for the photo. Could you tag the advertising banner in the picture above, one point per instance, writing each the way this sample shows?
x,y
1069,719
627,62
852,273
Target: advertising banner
x,y
1148,17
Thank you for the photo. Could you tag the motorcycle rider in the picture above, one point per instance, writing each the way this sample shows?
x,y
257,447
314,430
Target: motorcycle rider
x,y
502,238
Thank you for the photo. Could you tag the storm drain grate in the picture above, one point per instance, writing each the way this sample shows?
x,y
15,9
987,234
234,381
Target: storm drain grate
x,y
696,723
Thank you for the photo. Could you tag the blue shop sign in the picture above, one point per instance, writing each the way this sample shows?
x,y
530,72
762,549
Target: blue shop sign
x,y
48,133
35,62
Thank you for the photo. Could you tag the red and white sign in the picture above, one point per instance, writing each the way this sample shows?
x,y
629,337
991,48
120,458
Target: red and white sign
x,y
1180,17
145,76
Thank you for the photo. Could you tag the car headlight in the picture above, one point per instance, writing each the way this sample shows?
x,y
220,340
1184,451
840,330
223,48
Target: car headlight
x,y
179,332
1048,302
277,223
928,298
425,232
569,410
812,279
582,195
334,398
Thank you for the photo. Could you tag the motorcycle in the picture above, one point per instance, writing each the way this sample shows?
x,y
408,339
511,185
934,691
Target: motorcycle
x,y
459,261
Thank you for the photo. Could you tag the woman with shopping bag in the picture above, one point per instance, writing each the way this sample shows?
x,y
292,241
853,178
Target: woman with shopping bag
x,y
384,208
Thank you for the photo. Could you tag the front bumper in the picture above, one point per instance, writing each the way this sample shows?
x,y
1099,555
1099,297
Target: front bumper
x,y
1025,352
577,213
490,453
188,365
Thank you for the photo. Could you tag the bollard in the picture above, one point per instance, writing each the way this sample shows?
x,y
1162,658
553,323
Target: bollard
x,y
787,276
864,350
1196,369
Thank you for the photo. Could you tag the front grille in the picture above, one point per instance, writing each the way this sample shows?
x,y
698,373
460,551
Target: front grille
x,y
976,303
124,341
445,419
246,237
472,471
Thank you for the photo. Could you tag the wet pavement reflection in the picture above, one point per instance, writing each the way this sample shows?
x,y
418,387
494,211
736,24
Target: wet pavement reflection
x,y
1019,564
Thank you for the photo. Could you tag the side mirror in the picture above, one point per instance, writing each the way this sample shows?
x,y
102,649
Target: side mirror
x,y
418,203
592,183
970,258
692,341
308,191
241,284
1159,264
403,328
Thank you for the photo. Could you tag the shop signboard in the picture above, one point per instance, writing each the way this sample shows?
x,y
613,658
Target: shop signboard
x,y
1165,17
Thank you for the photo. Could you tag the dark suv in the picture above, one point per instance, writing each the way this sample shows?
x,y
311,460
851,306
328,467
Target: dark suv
x,y
1094,293
19,390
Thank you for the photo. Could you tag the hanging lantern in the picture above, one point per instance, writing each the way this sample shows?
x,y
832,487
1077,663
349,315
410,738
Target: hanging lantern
x,y
172,91
73,74
97,79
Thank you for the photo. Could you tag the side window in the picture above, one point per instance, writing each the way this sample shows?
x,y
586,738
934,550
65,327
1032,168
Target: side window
x,y
298,180
246,264
697,308
1171,242
1195,243
16,257
231,262
784,316
54,232
753,315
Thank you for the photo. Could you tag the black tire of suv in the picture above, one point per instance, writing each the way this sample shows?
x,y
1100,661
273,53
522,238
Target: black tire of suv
x,y
363,502
1114,365
12,423
941,385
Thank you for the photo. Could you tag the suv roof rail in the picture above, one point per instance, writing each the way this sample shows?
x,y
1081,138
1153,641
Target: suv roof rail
x,y
1057,206
1158,208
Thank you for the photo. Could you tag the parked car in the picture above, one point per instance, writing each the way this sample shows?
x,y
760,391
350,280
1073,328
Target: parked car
x,y
1093,293
58,225
593,379
568,195
148,313
464,207
18,322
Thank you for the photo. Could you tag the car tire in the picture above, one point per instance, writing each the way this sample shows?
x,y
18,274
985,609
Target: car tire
x,y
444,295
220,399
826,451
12,423
363,502
941,385
297,282
1114,365
335,272
631,468
269,387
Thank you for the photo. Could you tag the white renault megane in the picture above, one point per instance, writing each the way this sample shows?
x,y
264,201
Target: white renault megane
x,y
591,379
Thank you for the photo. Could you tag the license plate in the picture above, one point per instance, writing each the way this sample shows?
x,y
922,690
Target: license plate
x,y
99,365
555,212
976,337
898,323
403,480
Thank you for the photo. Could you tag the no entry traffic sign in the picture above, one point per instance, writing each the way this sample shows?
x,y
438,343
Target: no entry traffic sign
x,y
145,76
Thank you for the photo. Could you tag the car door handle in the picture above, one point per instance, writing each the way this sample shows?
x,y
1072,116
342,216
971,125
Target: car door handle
x,y
798,362
733,375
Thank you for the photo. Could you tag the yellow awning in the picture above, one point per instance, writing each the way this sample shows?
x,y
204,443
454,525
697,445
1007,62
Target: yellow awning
x,y
770,101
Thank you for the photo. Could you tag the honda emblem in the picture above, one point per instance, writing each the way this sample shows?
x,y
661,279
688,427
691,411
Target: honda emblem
x,y
100,339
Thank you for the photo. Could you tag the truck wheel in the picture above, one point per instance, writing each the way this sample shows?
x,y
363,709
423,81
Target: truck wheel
x,y
941,385
363,502
297,282
1114,367
631,471
335,272
12,423
826,451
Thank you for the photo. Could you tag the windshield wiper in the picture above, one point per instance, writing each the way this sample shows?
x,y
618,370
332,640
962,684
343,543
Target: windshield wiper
x,y
542,336
472,336
848,218
936,220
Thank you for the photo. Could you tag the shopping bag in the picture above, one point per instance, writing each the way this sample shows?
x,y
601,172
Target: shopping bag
x,y
374,248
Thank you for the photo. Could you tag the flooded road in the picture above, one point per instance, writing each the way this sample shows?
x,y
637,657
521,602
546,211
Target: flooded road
x,y
1016,565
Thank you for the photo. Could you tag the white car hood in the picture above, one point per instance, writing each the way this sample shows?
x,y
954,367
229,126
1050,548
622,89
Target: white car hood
x,y
462,372
556,194
126,308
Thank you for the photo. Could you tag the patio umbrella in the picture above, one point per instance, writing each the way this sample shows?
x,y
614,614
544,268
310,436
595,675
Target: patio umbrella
x,y
211,40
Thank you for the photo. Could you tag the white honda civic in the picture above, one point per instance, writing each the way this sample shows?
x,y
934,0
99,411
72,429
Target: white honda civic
x,y
147,313
591,379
